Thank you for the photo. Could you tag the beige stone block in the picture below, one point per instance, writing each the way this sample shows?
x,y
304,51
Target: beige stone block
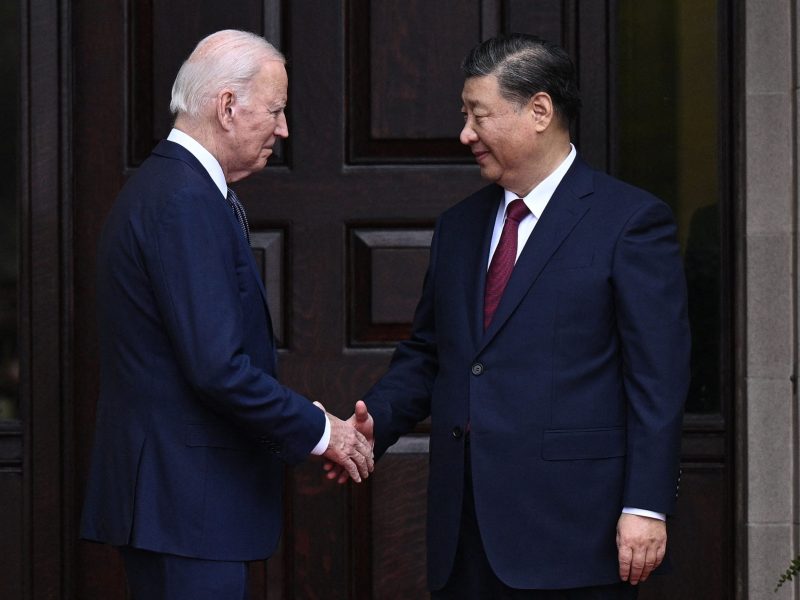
x,y
769,307
769,167
769,550
768,46
770,451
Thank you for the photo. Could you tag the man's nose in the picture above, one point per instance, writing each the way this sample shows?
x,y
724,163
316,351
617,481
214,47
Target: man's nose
x,y
282,130
468,135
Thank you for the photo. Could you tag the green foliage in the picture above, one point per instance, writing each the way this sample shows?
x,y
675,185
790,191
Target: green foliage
x,y
792,571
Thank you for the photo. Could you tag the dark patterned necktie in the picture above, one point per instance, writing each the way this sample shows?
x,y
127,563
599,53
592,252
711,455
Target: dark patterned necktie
x,y
241,215
505,255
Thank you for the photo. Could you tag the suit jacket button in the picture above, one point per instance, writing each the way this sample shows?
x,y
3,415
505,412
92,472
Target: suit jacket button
x,y
457,432
477,369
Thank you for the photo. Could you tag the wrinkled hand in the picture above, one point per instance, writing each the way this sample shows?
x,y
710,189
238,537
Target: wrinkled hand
x,y
348,449
362,421
641,543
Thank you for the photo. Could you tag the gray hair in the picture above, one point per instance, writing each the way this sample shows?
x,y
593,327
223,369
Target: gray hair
x,y
226,59
524,66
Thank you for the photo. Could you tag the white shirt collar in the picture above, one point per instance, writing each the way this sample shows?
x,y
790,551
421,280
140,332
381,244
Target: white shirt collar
x,y
538,197
205,157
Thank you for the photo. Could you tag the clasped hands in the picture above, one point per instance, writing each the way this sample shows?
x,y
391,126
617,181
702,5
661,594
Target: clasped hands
x,y
349,453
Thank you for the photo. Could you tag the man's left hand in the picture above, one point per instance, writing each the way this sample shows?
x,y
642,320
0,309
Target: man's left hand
x,y
641,543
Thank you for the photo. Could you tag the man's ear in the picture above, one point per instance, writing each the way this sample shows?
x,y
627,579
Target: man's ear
x,y
226,108
542,110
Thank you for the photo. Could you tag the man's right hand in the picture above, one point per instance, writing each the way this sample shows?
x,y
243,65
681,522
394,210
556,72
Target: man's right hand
x,y
363,423
349,449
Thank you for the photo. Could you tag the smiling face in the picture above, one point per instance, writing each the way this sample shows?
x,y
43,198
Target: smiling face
x,y
501,134
258,122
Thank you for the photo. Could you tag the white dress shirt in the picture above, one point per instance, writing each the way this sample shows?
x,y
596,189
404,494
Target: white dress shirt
x,y
212,166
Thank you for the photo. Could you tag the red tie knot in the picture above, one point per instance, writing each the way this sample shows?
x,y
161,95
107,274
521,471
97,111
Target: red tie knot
x,y
517,210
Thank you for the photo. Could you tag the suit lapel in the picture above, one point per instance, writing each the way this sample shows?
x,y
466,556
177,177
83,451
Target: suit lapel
x,y
245,249
254,269
563,212
478,257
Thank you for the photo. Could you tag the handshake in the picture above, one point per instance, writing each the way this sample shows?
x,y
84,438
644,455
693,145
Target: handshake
x,y
349,452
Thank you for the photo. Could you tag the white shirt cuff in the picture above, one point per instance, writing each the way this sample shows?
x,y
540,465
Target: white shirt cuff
x,y
322,445
645,513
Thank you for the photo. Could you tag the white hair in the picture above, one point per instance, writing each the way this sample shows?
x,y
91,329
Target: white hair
x,y
226,59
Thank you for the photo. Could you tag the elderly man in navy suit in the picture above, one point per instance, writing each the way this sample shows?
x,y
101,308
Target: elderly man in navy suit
x,y
550,349
193,428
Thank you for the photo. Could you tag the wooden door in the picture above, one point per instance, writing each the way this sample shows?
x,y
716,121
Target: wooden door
x,y
341,218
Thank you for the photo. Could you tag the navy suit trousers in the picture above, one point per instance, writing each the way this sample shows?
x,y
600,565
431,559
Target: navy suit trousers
x,y
157,576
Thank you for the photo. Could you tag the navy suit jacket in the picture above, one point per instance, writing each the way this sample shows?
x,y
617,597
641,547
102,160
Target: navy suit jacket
x,y
193,429
574,395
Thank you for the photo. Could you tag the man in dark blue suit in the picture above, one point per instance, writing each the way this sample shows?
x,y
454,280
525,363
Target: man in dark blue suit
x,y
193,429
550,349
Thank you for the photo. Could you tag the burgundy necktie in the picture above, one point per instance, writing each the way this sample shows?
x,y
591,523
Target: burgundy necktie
x,y
505,255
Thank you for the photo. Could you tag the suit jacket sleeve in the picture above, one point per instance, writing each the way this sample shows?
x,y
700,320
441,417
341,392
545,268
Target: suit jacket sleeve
x,y
650,300
193,271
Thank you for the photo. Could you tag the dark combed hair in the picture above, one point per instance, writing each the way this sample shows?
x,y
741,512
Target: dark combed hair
x,y
526,65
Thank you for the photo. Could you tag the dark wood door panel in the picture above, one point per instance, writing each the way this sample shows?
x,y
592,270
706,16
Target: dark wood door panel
x,y
398,513
404,84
